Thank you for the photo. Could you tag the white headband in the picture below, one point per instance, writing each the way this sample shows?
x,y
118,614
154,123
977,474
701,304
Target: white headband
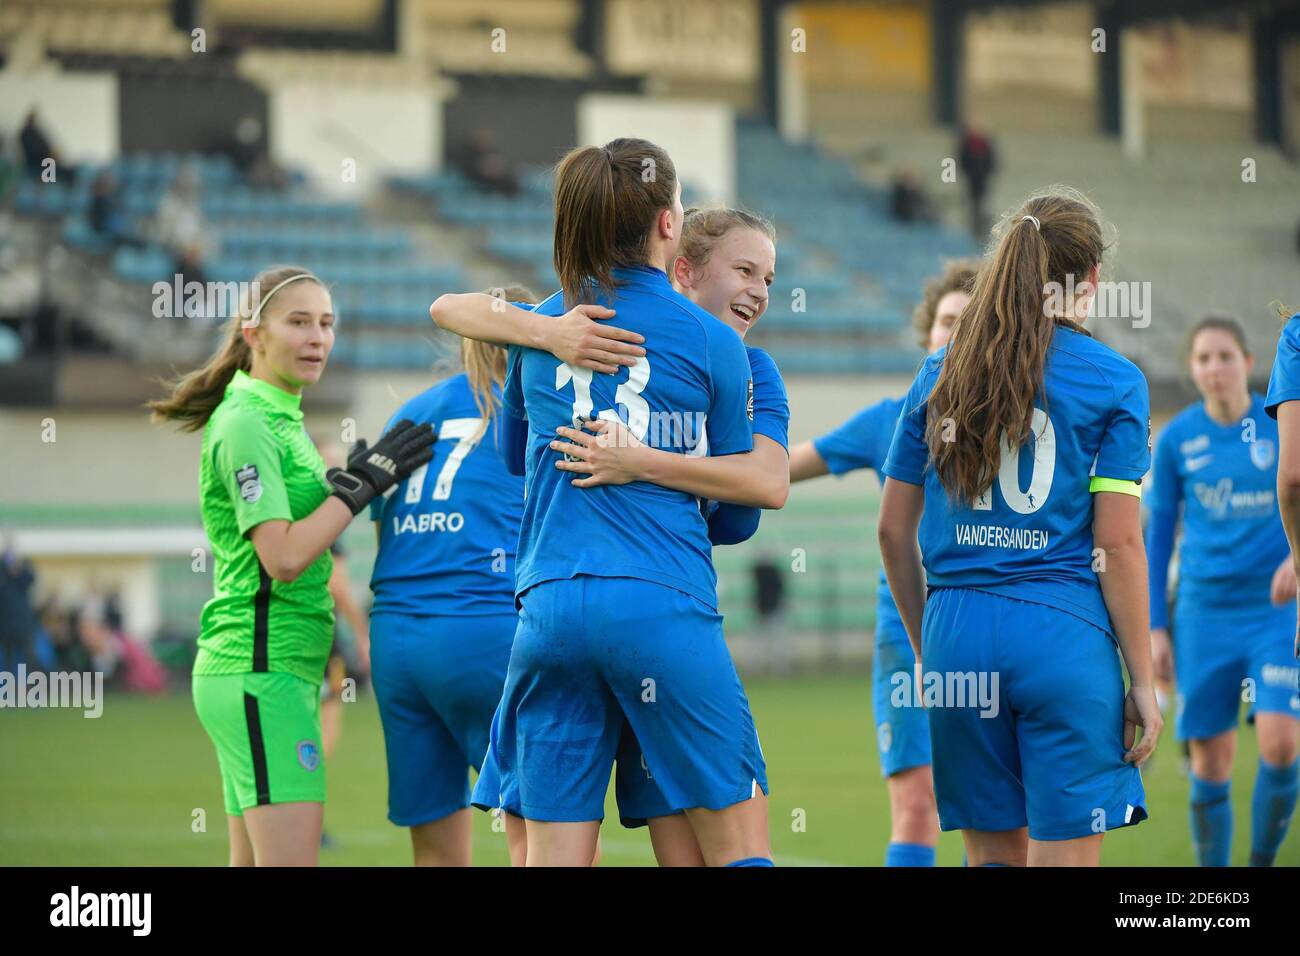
x,y
1034,220
252,319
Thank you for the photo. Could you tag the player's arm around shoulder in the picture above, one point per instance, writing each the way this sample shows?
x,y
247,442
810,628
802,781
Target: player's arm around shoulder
x,y
576,337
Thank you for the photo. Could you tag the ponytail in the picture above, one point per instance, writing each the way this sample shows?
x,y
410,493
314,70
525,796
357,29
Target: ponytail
x,y
196,395
606,200
993,370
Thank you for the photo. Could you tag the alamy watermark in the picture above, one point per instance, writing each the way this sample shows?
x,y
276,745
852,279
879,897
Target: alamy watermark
x,y
37,689
1113,300
936,689
217,300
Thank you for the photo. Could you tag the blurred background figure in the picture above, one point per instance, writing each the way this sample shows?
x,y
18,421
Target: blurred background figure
x,y
18,622
107,218
37,148
978,162
179,226
483,164
769,611
907,200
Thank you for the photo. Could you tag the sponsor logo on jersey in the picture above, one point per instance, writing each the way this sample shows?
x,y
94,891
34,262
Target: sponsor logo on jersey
x,y
1276,675
749,401
250,483
1263,453
1219,498
1196,464
1193,445
308,755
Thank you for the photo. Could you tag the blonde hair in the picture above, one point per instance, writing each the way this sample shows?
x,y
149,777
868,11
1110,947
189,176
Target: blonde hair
x,y
485,363
195,395
705,226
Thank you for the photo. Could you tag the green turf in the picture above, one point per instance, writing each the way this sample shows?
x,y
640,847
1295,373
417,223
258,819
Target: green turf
x,y
122,789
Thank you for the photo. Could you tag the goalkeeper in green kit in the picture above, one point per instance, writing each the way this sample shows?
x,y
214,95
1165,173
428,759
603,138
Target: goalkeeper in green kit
x,y
271,512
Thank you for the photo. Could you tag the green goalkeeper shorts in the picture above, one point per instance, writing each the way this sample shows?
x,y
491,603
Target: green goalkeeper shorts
x,y
266,728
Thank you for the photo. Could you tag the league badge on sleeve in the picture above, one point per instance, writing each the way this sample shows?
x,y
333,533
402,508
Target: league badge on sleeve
x,y
308,755
250,483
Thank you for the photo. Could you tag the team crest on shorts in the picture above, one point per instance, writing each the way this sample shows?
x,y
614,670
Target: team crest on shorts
x,y
308,755
250,483
1262,453
884,737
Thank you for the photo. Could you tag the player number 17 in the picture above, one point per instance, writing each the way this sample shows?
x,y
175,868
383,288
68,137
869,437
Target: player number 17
x,y
467,432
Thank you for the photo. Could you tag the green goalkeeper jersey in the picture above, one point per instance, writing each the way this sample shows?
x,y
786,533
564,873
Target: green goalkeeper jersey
x,y
258,464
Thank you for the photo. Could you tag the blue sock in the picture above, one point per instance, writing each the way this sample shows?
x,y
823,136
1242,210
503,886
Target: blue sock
x,y
909,854
1271,809
1211,821
753,861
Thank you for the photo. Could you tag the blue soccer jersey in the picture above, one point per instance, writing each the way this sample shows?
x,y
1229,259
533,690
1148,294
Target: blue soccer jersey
x,y
771,405
448,533
732,523
1223,479
1284,383
689,394
863,442
1029,536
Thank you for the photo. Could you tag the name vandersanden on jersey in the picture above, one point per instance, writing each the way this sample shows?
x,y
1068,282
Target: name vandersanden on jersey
x,y
997,536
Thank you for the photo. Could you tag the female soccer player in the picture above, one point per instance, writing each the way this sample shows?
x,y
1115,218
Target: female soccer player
x,y
902,733
630,563
271,511
726,263
443,616
1023,446
1216,463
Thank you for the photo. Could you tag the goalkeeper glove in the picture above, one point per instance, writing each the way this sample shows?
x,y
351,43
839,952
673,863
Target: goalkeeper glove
x,y
372,471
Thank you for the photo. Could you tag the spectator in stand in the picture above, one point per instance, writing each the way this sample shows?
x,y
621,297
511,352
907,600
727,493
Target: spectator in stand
x,y
179,226
483,164
247,150
907,200
978,162
106,217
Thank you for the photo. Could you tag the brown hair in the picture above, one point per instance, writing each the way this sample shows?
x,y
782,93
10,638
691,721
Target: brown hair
x,y
993,370
485,363
1222,323
705,226
606,199
196,395
958,276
